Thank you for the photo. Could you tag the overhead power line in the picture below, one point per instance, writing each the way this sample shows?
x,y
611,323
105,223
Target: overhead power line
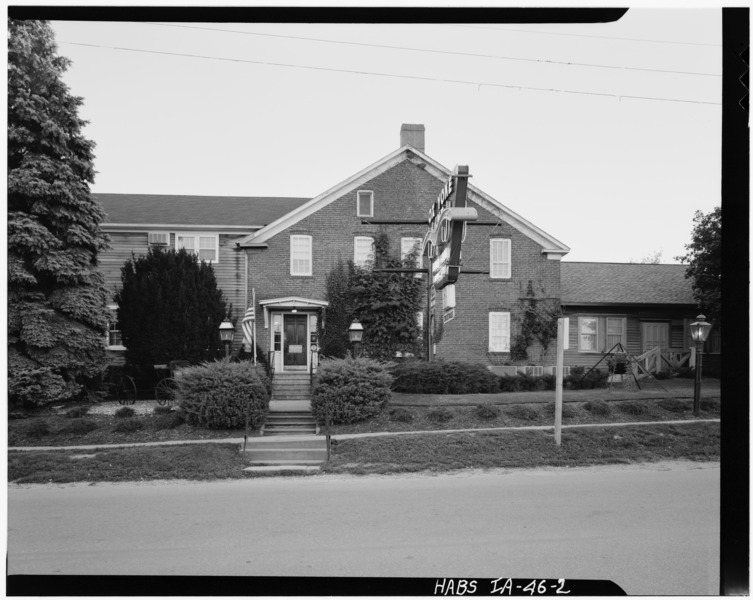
x,y
585,35
478,84
434,51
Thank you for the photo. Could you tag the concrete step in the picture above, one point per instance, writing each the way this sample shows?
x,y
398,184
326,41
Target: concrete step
x,y
316,442
289,430
289,455
291,377
282,468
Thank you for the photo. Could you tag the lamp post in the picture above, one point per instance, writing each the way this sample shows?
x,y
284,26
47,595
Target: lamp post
x,y
227,331
699,331
355,333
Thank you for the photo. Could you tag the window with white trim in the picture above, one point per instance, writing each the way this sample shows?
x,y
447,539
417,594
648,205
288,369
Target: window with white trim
x,y
363,250
206,247
301,255
114,337
499,332
365,203
499,258
600,334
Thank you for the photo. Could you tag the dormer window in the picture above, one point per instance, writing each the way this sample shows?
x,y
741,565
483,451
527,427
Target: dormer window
x,y
365,204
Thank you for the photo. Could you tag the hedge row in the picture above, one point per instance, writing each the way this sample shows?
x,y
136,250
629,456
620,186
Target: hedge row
x,y
457,377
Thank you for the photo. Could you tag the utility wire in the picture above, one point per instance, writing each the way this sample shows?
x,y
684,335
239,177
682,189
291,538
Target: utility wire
x,y
479,84
601,37
432,51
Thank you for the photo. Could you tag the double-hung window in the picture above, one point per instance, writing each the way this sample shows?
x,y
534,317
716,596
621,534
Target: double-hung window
x,y
364,203
363,250
499,258
499,332
600,334
301,255
114,337
206,247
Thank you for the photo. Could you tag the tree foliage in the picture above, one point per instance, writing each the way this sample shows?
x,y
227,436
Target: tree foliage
x,y
704,259
57,316
169,308
385,303
538,324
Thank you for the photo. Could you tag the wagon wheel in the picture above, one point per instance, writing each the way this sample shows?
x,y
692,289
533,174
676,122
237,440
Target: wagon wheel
x,y
164,393
125,391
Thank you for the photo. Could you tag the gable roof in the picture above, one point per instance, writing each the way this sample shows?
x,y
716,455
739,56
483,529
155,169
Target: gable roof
x,y
218,211
551,246
624,283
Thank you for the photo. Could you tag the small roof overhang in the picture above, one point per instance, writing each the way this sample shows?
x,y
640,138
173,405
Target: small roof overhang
x,y
290,303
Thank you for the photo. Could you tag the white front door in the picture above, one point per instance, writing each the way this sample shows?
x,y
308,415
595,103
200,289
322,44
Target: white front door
x,y
656,334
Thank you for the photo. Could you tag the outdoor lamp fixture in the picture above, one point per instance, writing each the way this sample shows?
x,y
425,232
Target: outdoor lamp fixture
x,y
699,331
227,331
355,333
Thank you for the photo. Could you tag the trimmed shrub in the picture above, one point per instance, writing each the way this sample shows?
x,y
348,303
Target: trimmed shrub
x,y
568,412
593,380
352,389
510,383
523,412
402,415
124,412
440,415
443,377
76,412
79,427
487,411
169,420
633,407
222,394
674,405
162,410
598,407
128,425
37,428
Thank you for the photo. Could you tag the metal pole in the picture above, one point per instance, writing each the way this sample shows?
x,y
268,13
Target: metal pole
x,y
697,392
428,321
227,350
558,380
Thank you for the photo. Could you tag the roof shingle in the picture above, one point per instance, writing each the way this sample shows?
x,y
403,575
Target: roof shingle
x,y
620,283
152,209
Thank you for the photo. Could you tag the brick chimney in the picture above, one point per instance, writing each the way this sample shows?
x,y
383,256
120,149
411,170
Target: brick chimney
x,y
413,135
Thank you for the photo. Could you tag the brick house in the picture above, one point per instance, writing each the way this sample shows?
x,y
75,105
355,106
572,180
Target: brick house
x,y
271,257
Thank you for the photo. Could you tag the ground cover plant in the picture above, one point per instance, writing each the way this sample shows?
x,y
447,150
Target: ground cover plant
x,y
531,448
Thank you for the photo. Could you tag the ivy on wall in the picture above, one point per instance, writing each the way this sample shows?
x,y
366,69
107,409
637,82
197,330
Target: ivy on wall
x,y
538,325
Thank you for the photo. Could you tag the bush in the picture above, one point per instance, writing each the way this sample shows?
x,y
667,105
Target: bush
x,y
633,407
124,412
443,377
402,415
79,427
510,383
487,411
568,412
223,394
76,412
686,373
162,410
169,420
598,407
37,428
440,415
128,425
593,380
523,412
352,389
710,405
674,405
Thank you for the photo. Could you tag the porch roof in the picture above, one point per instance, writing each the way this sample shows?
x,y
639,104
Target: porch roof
x,y
290,302
625,283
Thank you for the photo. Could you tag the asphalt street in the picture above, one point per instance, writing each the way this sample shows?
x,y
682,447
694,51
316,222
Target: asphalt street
x,y
652,529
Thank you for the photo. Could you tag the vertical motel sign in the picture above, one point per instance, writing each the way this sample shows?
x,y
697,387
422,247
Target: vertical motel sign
x,y
447,218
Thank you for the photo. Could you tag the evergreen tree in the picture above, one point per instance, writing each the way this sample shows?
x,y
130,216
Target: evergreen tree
x,y
169,308
704,258
57,316
338,315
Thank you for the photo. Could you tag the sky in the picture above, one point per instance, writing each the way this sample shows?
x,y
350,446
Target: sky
x,y
606,136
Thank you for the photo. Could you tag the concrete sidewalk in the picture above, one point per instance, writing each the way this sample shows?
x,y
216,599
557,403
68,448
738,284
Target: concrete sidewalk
x,y
348,436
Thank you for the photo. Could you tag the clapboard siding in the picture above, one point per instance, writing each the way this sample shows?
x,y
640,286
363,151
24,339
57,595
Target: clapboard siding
x,y
122,245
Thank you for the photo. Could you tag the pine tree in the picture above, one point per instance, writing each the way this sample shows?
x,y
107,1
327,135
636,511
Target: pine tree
x,y
169,308
57,316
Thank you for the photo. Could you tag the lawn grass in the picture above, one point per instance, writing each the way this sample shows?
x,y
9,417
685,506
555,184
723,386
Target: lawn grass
x,y
525,449
189,461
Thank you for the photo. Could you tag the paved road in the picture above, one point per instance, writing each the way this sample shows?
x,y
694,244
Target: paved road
x,y
652,529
